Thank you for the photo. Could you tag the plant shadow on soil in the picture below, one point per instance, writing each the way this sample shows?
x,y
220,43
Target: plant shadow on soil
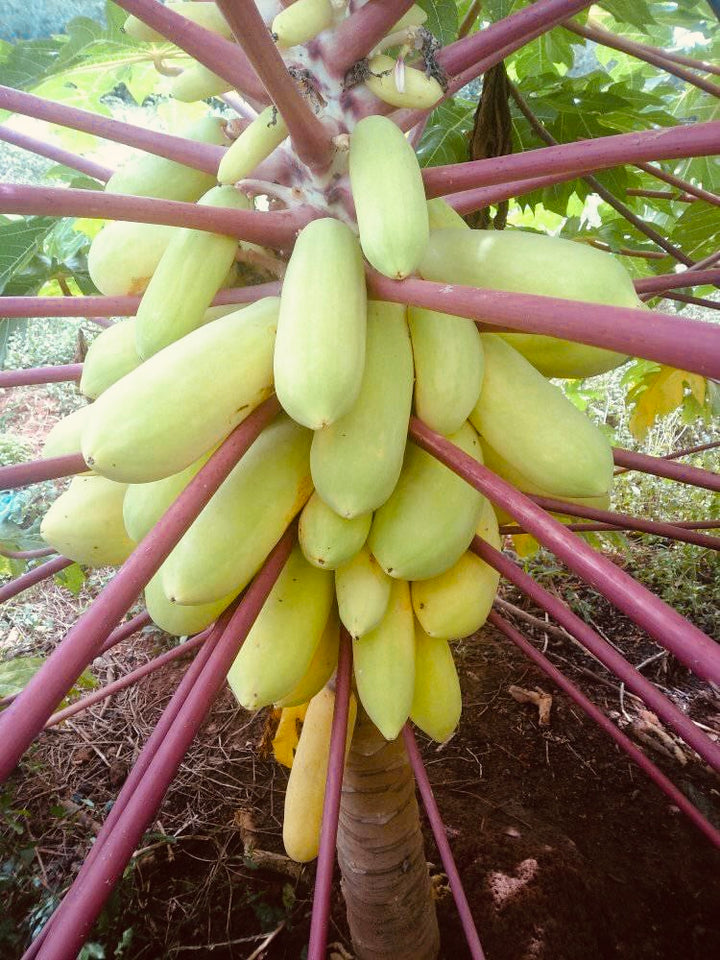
x,y
565,849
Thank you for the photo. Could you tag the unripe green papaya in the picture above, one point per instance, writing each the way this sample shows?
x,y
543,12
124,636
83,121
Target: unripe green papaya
x,y
437,700
279,648
301,21
196,82
534,263
429,521
228,542
145,503
123,256
457,602
150,176
356,461
417,91
443,217
205,15
178,404
320,347
487,527
256,142
111,355
320,668
449,365
180,621
85,523
533,426
415,17
389,197
190,273
64,436
327,539
363,591
384,664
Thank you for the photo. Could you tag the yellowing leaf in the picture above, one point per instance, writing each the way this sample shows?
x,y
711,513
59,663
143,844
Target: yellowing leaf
x,y
664,391
524,545
287,734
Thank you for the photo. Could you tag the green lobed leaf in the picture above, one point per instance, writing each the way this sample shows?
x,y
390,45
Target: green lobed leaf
x,y
19,242
442,21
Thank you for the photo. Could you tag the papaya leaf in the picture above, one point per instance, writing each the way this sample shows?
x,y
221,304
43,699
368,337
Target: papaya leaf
x,y
660,392
442,21
72,578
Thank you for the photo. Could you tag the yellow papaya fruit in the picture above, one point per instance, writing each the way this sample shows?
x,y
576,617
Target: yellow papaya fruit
x,y
279,649
457,602
321,667
437,700
123,256
487,528
256,142
384,664
177,620
198,390
301,21
110,356
533,426
145,503
528,263
363,592
64,436
177,296
196,82
389,197
205,15
150,176
429,521
449,366
228,542
356,461
305,794
327,539
85,523
442,216
414,90
320,347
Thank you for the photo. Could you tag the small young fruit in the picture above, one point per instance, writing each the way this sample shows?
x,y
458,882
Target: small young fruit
x,y
389,197
178,620
413,90
64,436
301,21
256,142
363,592
196,82
205,15
437,700
111,356
457,602
320,347
328,540
124,256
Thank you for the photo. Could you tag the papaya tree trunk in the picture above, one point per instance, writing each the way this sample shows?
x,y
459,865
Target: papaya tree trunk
x,y
385,879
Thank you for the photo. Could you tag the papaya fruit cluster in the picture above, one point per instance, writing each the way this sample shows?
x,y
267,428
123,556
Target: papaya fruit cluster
x,y
384,529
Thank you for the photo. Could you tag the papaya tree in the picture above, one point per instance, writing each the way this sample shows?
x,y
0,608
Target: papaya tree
x,y
334,292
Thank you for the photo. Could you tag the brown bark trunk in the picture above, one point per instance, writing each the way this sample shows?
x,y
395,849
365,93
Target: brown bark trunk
x,y
385,879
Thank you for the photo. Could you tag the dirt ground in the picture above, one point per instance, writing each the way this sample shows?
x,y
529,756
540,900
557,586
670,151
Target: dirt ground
x,y
566,850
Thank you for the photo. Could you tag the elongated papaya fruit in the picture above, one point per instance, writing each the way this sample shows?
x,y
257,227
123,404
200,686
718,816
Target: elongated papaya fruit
x,y
533,426
176,298
457,602
180,621
196,82
321,667
356,461
429,521
301,21
389,197
280,646
305,795
527,263
449,366
145,503
437,700
327,539
363,592
123,256
320,348
64,436
443,217
228,542
413,89
384,664
198,389
256,142
149,176
111,355
204,15
85,523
